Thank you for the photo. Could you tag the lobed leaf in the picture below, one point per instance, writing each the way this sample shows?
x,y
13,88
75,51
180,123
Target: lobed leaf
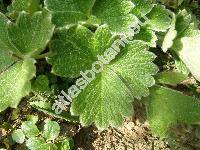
x,y
129,75
115,13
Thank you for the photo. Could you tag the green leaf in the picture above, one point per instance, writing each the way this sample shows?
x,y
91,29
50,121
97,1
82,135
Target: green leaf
x,y
183,20
116,13
52,146
129,75
148,36
30,6
180,66
31,33
41,84
4,37
168,107
142,7
2,6
18,136
37,143
189,54
69,12
66,144
32,118
187,46
169,39
47,109
6,60
51,130
41,104
79,46
170,78
160,18
15,83
29,129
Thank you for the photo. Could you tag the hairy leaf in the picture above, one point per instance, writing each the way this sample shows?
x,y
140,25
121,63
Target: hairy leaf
x,y
6,60
4,37
115,13
69,12
186,45
147,35
31,33
107,99
160,18
15,83
142,7
29,6
168,107
170,78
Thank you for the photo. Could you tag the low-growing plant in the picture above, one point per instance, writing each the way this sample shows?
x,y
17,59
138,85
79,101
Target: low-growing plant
x,y
46,139
44,45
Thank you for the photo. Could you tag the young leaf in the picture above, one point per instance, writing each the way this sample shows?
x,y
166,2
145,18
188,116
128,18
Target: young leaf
x,y
170,35
66,144
168,107
169,39
51,130
29,129
37,143
15,83
183,20
18,136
